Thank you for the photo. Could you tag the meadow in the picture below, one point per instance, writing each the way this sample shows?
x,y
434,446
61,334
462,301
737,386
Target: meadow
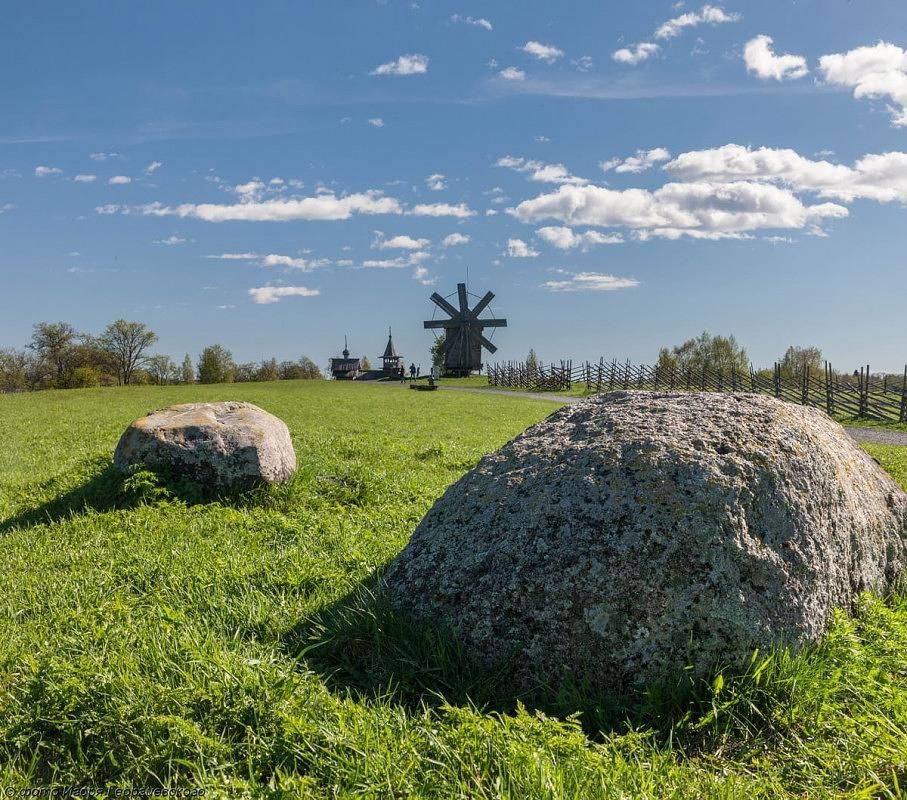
x,y
150,636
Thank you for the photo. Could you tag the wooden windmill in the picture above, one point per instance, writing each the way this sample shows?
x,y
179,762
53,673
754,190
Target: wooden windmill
x,y
463,336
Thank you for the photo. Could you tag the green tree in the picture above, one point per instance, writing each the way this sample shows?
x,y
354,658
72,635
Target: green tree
x,y
268,371
796,359
126,342
54,344
705,352
245,372
437,352
187,371
364,363
84,378
161,368
532,363
215,365
14,370
289,371
309,369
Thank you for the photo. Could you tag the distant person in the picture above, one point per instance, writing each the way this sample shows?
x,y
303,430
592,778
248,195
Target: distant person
x,y
402,374
418,370
412,371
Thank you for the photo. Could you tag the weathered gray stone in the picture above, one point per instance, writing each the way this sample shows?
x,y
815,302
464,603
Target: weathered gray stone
x,y
637,533
222,445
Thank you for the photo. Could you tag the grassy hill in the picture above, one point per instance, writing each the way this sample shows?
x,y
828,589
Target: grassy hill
x,y
148,638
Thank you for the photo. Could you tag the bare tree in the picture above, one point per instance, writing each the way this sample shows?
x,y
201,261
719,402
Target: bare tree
x,y
161,368
126,343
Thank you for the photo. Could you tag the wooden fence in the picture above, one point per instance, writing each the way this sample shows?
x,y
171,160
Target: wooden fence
x,y
860,394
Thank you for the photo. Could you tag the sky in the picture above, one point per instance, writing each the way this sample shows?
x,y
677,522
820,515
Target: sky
x,y
274,176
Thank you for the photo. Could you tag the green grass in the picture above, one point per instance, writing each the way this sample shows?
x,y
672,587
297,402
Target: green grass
x,y
150,639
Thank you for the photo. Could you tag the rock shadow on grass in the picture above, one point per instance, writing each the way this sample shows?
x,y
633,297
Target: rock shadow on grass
x,y
362,647
111,489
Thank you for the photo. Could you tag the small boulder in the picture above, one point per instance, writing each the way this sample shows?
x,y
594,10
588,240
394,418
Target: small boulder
x,y
636,533
222,445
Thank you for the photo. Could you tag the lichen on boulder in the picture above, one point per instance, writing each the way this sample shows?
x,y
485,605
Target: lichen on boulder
x,y
636,534
223,446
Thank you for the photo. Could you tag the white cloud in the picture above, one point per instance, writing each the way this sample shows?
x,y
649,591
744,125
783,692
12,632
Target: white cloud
x,y
543,52
517,248
413,259
85,178
875,71
236,256
701,210
412,64
119,180
272,294
376,122
583,63
424,277
273,260
454,239
171,240
402,242
479,22
436,182
635,53
881,177
250,191
643,160
108,209
103,156
565,239
590,282
538,171
153,167
9,207
512,74
461,210
42,172
761,60
325,206
708,15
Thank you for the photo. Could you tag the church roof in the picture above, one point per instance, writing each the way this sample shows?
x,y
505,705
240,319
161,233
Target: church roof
x,y
390,351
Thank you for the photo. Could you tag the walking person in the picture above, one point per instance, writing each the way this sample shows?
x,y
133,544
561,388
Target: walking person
x,y
402,374
412,371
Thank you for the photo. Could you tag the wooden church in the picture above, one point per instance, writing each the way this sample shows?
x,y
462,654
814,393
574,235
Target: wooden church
x,y
350,369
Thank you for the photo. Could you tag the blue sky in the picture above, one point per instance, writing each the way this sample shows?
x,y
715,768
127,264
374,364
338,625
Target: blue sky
x,y
275,175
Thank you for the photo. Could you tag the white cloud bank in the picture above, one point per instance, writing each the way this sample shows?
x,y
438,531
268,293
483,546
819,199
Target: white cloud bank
x,y
565,239
42,171
517,248
274,260
436,182
264,295
707,15
877,71
454,239
412,64
635,53
762,62
643,160
589,282
538,171
478,22
119,180
512,74
543,52
402,242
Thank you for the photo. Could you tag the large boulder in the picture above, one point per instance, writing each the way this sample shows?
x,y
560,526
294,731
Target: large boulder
x,y
634,534
222,445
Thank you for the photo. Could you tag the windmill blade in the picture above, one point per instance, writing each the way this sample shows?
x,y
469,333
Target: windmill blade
x,y
443,304
482,304
440,323
464,303
488,345
493,323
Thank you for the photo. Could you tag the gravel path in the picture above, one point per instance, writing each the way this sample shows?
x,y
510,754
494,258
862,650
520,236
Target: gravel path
x,y
878,436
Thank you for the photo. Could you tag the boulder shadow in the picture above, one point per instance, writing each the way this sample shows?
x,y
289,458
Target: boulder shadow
x,y
363,648
111,489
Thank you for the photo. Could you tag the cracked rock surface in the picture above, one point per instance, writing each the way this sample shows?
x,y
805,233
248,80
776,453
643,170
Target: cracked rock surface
x,y
223,445
637,533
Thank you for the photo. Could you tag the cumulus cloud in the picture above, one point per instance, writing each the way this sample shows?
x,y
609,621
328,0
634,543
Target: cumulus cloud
x,y
119,180
479,22
424,277
412,64
538,171
589,282
512,74
875,71
273,294
42,171
543,52
701,209
326,206
402,242
454,239
170,240
376,122
153,167
108,209
413,259
85,178
635,53
881,177
643,160
460,210
565,239
436,182
707,15
517,248
274,260
761,60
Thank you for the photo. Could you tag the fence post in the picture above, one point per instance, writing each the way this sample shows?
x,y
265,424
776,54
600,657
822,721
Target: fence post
x,y
804,386
903,414
777,380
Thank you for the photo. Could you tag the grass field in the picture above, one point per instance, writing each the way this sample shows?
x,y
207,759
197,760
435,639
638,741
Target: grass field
x,y
149,639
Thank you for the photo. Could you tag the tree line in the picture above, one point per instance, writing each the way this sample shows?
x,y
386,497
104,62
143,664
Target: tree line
x,y
60,357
